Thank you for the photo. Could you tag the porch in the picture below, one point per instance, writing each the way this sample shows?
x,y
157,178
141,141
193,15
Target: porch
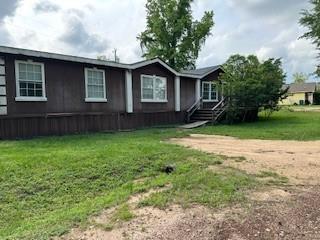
x,y
209,105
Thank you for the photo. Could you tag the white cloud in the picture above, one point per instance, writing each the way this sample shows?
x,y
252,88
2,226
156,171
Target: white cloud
x,y
77,36
268,28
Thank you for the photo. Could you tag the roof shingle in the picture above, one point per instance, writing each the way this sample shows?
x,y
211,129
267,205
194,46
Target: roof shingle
x,y
201,71
301,87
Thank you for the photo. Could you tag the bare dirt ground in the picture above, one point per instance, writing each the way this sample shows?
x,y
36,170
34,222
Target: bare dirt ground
x,y
297,160
285,212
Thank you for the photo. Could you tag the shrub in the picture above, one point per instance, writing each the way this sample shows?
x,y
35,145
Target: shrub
x,y
251,86
316,97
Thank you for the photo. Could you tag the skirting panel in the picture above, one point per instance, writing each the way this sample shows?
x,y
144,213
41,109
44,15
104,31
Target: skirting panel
x,y
3,91
27,127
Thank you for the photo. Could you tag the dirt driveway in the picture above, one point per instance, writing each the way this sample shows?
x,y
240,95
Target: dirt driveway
x,y
290,211
299,161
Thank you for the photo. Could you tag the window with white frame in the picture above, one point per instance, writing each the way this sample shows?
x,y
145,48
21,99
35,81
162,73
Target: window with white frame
x,y
30,82
153,88
95,85
209,91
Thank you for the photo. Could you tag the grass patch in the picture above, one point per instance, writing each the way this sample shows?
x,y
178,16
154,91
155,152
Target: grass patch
x,y
204,187
49,185
282,125
273,178
123,214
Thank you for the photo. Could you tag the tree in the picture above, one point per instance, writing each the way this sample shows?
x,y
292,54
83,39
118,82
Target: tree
x,y
300,77
317,72
311,20
316,97
172,35
251,86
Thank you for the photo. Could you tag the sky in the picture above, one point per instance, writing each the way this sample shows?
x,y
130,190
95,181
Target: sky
x,y
266,28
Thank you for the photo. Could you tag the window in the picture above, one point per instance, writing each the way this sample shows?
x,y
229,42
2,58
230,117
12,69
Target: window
x,y
153,89
30,82
209,92
95,85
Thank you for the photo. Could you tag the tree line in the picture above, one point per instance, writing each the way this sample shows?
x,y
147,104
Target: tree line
x,y
249,84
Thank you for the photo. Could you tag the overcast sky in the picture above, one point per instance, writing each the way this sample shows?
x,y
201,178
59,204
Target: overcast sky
x,y
267,28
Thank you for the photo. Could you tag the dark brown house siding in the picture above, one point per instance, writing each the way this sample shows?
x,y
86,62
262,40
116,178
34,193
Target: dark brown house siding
x,y
26,127
66,111
65,89
158,70
187,92
212,77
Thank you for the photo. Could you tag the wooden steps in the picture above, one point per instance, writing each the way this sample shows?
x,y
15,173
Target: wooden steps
x,y
197,114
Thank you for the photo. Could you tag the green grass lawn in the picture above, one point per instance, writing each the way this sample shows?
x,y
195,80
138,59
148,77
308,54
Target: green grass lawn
x,y
283,125
48,185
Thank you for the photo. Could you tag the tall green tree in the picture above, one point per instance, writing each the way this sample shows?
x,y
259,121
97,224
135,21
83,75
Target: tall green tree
x,y
300,77
311,20
251,85
172,34
318,71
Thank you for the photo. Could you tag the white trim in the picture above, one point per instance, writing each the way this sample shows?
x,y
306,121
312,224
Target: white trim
x,y
87,99
33,53
2,61
96,100
177,93
197,89
152,61
31,99
25,98
157,60
153,100
129,94
210,100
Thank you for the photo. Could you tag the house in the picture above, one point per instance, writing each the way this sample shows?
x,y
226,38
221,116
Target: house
x,y
300,93
52,94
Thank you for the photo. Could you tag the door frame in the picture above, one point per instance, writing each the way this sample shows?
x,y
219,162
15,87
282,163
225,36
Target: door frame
x,y
210,89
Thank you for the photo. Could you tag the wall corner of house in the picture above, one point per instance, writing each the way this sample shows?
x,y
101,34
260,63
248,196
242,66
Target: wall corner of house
x,y
128,91
198,89
177,94
3,90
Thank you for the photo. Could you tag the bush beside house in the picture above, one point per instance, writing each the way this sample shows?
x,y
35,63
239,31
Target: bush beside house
x,y
251,86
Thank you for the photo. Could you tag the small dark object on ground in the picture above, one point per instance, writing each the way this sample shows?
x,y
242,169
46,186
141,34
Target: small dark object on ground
x,y
168,169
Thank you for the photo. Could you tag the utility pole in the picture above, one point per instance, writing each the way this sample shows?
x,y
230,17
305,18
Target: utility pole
x,y
116,58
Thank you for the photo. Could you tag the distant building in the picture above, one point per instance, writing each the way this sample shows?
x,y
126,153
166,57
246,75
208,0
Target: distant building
x,y
300,93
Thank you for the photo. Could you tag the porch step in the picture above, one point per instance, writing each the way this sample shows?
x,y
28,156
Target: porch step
x,y
194,125
205,114
195,113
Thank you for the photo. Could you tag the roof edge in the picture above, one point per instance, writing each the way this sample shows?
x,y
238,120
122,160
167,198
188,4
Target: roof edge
x,y
63,57
58,56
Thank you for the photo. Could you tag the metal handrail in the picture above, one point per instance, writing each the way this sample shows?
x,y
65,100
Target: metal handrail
x,y
193,108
